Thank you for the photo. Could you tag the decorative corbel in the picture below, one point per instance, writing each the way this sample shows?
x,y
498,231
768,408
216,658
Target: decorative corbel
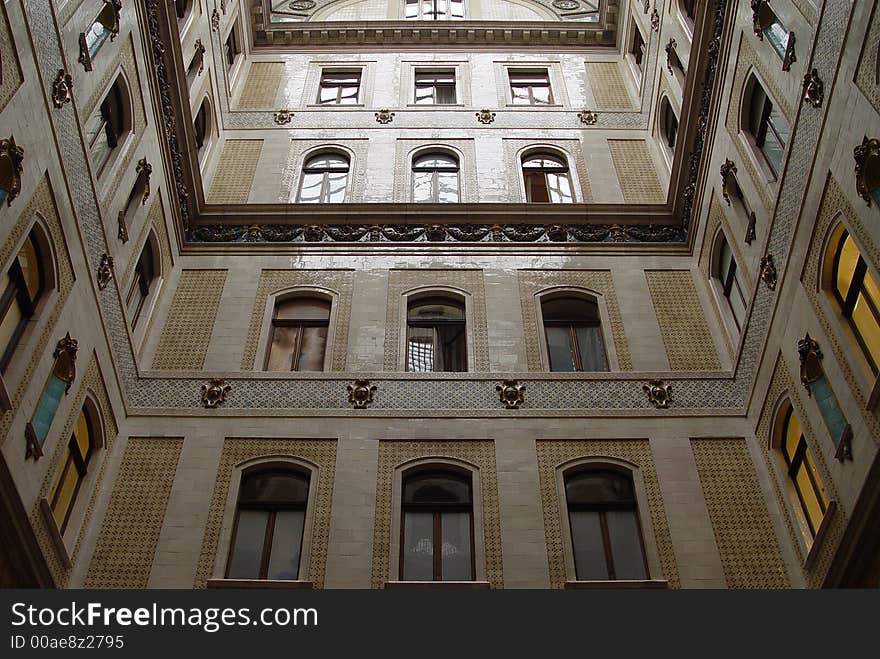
x,y
117,17
867,166
84,57
659,394
790,56
655,20
282,117
215,20
768,272
759,18
62,89
11,167
384,116
728,169
646,5
810,356
485,116
360,394
200,53
814,89
670,50
65,361
511,393
105,271
750,229
145,169
214,393
122,229
588,117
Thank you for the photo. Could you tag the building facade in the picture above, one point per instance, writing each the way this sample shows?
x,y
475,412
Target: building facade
x,y
493,293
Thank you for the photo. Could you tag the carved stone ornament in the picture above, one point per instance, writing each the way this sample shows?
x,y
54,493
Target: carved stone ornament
x,y
760,17
117,16
84,58
727,170
655,20
105,271
566,5
313,233
588,117
814,89
11,166
214,393
790,56
200,53
810,356
659,394
360,394
750,230
65,361
768,272
122,229
867,157
435,233
62,89
215,20
511,393
282,117
485,116
145,169
670,50
646,5
384,116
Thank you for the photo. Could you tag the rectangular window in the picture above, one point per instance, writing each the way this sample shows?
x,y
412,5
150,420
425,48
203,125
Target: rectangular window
x,y
435,88
339,88
530,87
231,47
637,46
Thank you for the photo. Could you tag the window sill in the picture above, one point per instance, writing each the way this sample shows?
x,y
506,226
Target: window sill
x,y
266,584
647,584
336,106
437,585
54,533
542,106
813,551
435,106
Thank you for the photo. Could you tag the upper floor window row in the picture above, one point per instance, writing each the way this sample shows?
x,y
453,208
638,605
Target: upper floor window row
x,y
434,10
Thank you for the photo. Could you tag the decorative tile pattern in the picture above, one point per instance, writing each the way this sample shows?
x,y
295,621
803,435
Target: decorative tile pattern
x,y
636,173
275,281
321,453
11,78
599,281
186,333
130,532
93,382
479,453
689,343
609,89
235,172
834,208
744,534
41,204
781,385
469,281
261,86
574,151
552,453
866,75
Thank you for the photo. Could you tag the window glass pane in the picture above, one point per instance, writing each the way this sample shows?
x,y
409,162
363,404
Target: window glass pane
x,y
541,95
560,348
278,486
423,186
626,546
303,308
592,349
737,303
9,324
792,437
455,533
520,95
447,187
811,505
451,354
418,546
595,487
247,550
570,309
435,161
559,186
777,35
872,289
311,354
312,185
95,37
336,183
286,545
420,349
436,488
589,551
436,310
63,492
30,268
866,323
536,187
774,150
282,349
445,94
82,434
849,258
47,406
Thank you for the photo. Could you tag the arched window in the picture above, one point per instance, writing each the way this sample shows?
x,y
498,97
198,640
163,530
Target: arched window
x,y
765,125
435,178
437,527
547,179
574,334
324,179
269,521
801,466
146,272
140,191
606,535
23,284
202,124
688,8
436,339
106,23
668,124
298,337
108,125
730,278
433,10
857,293
181,7
80,446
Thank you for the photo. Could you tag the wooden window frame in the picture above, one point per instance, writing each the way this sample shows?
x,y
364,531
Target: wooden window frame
x,y
562,170
793,466
439,299
299,323
435,86
435,175
16,291
847,304
513,73
325,179
80,462
329,84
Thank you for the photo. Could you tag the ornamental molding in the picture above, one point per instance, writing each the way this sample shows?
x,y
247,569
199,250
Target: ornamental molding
x,y
588,117
768,272
360,394
485,116
814,89
810,357
867,169
144,169
62,89
282,117
214,393
670,51
104,274
10,178
728,170
511,393
65,361
659,394
384,116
